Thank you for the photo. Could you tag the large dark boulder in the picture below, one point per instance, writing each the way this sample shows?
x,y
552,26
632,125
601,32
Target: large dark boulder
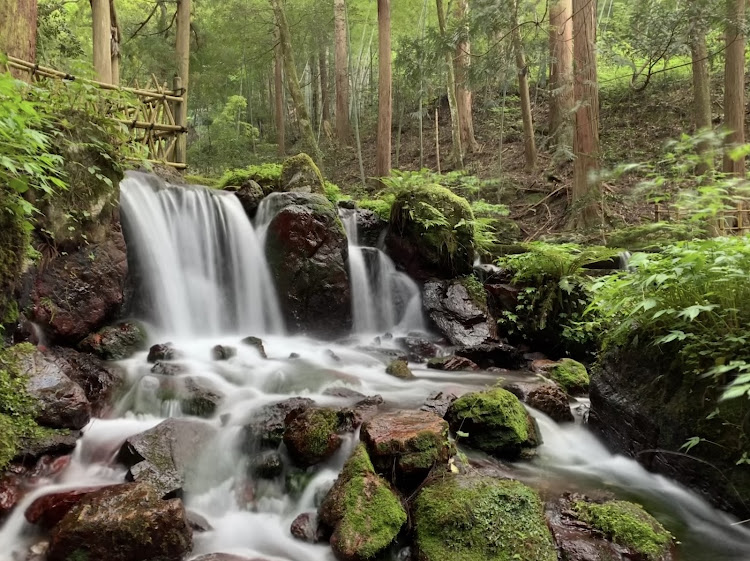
x,y
307,252
123,523
458,308
641,407
265,427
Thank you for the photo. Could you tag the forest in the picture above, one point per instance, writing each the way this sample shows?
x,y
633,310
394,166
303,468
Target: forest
x,y
305,280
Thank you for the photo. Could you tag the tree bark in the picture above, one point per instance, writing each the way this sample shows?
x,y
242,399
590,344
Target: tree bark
x,y
561,75
385,97
586,94
734,86
101,20
182,61
18,31
292,82
278,73
325,102
463,89
341,63
529,145
116,43
701,84
457,152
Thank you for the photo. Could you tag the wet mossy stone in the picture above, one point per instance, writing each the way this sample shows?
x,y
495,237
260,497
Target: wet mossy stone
x,y
629,525
311,435
472,518
571,375
115,342
400,369
364,514
493,421
300,174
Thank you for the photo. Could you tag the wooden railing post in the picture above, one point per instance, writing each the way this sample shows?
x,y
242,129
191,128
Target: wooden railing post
x,y
180,150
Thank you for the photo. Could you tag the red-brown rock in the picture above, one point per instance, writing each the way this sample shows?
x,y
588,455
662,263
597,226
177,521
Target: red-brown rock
x,y
50,509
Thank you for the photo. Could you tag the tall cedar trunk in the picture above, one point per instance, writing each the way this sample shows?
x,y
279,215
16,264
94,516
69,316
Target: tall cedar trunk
x,y
325,102
116,42
529,144
734,86
561,75
701,84
314,92
278,74
18,31
385,97
182,60
341,62
457,153
102,40
586,93
292,82
463,89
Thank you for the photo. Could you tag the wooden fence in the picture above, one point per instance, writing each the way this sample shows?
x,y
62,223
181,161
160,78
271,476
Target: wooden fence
x,y
735,221
153,120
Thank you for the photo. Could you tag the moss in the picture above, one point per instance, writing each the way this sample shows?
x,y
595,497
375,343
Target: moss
x,y
481,519
333,193
202,180
299,173
571,375
381,207
476,290
399,369
495,422
627,524
322,423
268,176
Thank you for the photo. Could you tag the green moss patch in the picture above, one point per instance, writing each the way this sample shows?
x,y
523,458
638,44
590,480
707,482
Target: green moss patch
x,y
627,524
399,369
476,291
299,173
571,375
268,176
481,519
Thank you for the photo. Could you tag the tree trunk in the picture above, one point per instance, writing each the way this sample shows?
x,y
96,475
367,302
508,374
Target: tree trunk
x,y
341,62
101,20
701,85
292,81
116,42
586,94
561,76
385,99
18,31
529,144
734,86
463,89
278,73
457,153
325,102
182,60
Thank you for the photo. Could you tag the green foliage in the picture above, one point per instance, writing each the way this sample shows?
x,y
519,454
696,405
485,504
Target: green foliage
x,y
475,289
627,524
333,193
267,175
381,206
571,376
653,235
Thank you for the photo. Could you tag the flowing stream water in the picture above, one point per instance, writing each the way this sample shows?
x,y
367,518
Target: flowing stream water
x,y
205,275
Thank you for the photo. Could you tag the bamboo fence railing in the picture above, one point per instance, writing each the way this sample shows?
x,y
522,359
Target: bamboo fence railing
x,y
735,221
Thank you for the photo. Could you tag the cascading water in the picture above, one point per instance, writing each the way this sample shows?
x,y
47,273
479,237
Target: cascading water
x,y
383,299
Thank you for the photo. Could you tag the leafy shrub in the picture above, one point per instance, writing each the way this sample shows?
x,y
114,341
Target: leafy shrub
x,y
333,192
653,235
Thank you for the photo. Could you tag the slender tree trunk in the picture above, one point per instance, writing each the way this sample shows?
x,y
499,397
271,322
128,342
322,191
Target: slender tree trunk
x,y
734,86
278,73
182,59
457,152
341,63
290,71
586,94
561,75
529,145
314,92
18,31
385,97
116,42
701,85
102,40
463,88
325,102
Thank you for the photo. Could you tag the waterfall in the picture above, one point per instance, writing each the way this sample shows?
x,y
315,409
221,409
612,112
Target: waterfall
x,y
383,298
204,269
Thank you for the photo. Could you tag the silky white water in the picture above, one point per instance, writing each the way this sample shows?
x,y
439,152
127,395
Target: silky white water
x,y
570,458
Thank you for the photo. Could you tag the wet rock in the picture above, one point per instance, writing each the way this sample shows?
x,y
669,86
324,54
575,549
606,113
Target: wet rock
x,y
265,427
311,435
400,369
199,396
361,511
266,465
48,510
168,368
221,352
10,493
293,355
494,422
307,252
439,403
81,291
224,557
457,314
387,355
370,227
115,342
197,522
164,455
305,528
475,517
38,551
123,523
406,445
551,401
362,411
418,349
489,355
299,174
343,392
333,355
571,375
258,344
250,195
452,363
162,351
53,445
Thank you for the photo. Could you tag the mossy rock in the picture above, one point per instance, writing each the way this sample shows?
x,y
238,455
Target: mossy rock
x,y
629,525
14,244
476,291
465,518
495,422
300,174
115,342
365,514
400,369
311,436
431,232
267,176
571,375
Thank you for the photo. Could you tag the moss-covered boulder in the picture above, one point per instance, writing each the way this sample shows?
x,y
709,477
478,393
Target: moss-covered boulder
x,y
570,375
399,369
311,435
361,510
299,174
431,233
115,342
495,422
472,518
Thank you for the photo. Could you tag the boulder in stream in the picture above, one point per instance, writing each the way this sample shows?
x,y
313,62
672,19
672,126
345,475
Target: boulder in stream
x,y
400,369
452,363
115,342
162,351
493,355
257,343
305,528
458,308
311,436
48,510
265,427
